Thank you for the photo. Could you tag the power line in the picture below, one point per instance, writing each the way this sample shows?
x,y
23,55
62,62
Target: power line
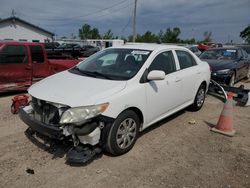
x,y
63,19
107,8
85,20
128,22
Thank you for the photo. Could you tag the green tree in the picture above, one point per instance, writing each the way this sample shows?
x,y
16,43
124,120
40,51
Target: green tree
x,y
188,41
86,32
148,37
108,35
130,38
169,35
245,34
95,34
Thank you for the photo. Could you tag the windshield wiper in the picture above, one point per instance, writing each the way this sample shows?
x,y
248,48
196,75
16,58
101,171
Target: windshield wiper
x,y
92,74
95,73
84,72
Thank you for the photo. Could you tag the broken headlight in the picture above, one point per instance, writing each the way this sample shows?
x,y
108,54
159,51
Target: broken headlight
x,y
224,71
79,115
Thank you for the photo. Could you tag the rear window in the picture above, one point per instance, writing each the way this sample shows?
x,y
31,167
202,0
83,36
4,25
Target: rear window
x,y
37,54
185,59
225,54
11,54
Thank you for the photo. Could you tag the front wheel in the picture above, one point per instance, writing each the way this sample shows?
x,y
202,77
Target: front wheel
x,y
232,80
248,74
199,98
123,133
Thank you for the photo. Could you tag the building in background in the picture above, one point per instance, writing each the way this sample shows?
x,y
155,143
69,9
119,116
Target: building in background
x,y
14,28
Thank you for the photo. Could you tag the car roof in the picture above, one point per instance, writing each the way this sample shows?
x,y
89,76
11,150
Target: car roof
x,y
225,48
13,42
151,47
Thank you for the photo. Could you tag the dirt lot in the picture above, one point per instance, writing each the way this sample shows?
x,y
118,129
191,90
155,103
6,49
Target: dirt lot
x,y
173,153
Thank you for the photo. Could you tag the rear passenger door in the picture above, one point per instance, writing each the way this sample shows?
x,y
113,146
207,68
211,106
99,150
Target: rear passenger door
x,y
15,70
40,66
189,74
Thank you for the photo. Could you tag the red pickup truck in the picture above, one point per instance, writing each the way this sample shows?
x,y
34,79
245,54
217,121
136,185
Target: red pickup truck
x,y
24,63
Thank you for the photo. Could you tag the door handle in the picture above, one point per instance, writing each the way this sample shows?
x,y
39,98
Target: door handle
x,y
177,79
199,72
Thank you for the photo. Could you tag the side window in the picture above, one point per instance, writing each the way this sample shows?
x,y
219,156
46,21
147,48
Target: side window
x,y
37,54
164,62
185,59
13,54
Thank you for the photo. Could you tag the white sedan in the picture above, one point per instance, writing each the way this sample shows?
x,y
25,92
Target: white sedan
x,y
107,99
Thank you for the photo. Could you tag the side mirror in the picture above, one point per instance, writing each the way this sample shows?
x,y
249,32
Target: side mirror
x,y
156,75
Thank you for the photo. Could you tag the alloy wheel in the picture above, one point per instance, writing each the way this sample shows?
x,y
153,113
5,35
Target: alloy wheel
x,y
200,97
126,133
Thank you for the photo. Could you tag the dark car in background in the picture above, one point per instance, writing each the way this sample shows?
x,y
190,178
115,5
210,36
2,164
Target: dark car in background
x,y
88,50
228,64
51,45
245,47
70,50
194,49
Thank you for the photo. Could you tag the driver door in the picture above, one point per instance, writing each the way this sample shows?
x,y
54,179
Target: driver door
x,y
163,96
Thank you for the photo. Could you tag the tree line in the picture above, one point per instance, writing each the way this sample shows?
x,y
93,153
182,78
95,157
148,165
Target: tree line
x,y
169,35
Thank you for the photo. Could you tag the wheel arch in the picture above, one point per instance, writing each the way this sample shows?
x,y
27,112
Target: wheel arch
x,y
204,83
138,112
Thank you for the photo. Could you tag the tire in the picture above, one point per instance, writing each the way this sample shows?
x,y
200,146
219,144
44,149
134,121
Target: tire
x,y
123,133
199,98
248,74
232,81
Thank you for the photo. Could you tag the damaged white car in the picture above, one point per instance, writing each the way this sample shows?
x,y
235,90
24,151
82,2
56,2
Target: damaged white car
x,y
106,100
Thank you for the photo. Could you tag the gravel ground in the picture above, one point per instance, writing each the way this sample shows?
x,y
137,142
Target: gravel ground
x,y
172,153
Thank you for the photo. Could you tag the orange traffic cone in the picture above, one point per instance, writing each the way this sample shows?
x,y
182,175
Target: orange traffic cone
x,y
225,123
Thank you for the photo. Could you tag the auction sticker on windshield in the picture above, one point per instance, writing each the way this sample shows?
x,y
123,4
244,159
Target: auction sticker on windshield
x,y
140,52
231,50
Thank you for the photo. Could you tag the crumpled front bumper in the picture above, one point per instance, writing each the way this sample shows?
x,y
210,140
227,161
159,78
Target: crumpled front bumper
x,y
89,133
47,130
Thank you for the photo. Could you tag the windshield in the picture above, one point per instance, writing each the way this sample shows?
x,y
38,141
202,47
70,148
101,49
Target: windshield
x,y
246,48
226,54
113,63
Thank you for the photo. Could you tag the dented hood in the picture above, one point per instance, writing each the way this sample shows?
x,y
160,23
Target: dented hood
x,y
75,90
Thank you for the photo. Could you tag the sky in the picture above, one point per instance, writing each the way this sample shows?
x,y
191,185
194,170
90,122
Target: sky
x,y
224,18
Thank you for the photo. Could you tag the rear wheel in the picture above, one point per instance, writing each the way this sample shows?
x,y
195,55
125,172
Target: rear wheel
x,y
199,98
123,133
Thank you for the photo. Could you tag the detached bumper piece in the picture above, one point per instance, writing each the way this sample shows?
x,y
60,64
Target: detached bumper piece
x,y
82,154
241,95
35,125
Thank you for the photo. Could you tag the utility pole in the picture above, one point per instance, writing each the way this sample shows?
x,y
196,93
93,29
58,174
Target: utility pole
x,y
13,13
134,22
